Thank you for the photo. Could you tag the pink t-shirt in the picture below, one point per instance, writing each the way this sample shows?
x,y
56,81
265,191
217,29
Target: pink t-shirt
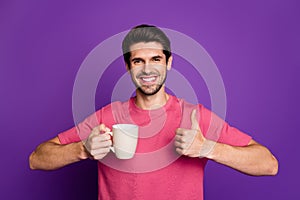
x,y
156,171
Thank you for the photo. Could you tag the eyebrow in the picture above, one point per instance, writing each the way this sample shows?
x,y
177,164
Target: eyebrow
x,y
141,59
158,56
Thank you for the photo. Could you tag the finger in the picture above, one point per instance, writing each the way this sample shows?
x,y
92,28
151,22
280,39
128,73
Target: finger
x,y
182,139
98,145
100,138
99,129
178,138
178,144
187,136
195,123
106,136
102,128
100,156
181,151
181,131
183,146
96,152
95,131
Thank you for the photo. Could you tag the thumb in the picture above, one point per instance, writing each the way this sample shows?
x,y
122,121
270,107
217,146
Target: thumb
x,y
102,129
99,129
195,123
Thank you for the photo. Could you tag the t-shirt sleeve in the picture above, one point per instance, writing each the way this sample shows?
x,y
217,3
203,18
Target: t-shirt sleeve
x,y
216,129
82,130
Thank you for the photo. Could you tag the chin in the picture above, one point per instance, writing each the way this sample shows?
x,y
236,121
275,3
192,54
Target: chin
x,y
150,92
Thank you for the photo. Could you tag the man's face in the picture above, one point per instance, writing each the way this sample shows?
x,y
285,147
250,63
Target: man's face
x,y
148,67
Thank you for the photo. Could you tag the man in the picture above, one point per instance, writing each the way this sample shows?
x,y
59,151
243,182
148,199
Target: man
x,y
194,132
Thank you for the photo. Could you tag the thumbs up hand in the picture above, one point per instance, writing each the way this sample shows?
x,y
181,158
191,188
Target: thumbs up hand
x,y
191,142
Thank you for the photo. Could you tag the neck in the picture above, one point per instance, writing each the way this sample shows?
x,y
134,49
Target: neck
x,y
151,102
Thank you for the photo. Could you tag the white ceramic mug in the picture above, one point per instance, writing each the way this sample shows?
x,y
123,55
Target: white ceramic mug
x,y
125,137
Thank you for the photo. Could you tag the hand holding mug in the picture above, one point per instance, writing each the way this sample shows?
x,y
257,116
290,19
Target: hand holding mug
x,y
98,143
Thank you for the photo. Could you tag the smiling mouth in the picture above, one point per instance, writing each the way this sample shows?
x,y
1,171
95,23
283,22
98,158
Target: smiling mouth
x,y
148,80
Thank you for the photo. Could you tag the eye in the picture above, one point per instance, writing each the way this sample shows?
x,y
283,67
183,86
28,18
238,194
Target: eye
x,y
156,59
137,61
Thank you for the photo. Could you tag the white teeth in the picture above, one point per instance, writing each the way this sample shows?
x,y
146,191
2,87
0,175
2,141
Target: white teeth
x,y
148,79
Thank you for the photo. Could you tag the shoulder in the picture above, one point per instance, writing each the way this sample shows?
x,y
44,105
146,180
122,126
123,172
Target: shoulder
x,y
189,106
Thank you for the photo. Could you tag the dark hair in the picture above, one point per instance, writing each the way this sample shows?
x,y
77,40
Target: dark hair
x,y
145,33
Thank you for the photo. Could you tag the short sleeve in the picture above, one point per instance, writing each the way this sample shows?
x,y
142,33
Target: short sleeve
x,y
82,130
216,129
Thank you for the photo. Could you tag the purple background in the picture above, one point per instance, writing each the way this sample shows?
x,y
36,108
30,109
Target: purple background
x,y
42,44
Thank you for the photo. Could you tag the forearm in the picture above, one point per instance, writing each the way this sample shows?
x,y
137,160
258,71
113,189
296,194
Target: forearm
x,y
50,155
253,159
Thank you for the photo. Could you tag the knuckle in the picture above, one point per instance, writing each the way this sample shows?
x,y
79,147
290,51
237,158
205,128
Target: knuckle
x,y
182,139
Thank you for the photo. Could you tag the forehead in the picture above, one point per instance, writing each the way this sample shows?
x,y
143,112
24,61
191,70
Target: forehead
x,y
146,49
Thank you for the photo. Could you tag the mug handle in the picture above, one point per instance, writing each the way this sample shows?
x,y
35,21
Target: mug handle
x,y
111,137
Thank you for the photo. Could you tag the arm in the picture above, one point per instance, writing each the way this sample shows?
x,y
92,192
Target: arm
x,y
253,159
52,154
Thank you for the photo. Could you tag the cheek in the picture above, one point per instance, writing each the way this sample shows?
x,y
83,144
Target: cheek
x,y
134,72
163,72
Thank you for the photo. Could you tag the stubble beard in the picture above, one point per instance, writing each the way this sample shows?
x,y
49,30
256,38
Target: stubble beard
x,y
154,91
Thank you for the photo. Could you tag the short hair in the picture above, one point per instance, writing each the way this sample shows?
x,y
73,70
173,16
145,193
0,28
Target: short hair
x,y
145,33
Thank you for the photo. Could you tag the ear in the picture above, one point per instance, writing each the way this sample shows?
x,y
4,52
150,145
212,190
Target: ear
x,y
169,66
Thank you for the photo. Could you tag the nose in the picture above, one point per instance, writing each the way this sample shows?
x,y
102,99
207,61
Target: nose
x,y
147,68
